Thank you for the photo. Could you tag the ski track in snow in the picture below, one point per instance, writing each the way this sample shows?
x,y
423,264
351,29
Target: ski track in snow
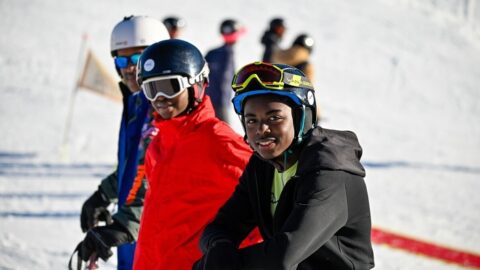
x,y
48,201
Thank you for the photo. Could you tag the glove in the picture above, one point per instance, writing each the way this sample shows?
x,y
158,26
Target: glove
x,y
101,239
221,256
94,209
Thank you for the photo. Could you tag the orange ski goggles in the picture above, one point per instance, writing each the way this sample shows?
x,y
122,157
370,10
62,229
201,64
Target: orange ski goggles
x,y
269,76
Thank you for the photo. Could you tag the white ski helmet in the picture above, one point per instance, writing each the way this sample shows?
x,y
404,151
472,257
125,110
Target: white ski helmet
x,y
137,31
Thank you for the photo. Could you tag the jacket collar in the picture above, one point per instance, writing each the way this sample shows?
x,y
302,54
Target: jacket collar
x,y
203,112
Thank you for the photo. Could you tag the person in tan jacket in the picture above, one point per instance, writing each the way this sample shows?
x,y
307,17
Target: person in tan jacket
x,y
298,55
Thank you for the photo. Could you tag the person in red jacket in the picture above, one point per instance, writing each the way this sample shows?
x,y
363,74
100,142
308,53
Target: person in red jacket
x,y
192,165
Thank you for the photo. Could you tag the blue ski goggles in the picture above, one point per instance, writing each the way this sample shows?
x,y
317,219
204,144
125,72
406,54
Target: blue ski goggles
x,y
123,61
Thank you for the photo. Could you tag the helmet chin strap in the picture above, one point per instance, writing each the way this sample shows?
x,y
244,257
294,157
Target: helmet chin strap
x,y
200,90
299,136
296,141
195,95
285,158
302,126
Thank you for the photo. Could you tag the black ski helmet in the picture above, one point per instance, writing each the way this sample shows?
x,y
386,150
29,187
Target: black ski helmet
x,y
277,22
305,41
173,22
229,26
170,57
175,57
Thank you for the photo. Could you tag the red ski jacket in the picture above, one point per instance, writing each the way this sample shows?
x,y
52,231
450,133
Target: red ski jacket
x,y
192,168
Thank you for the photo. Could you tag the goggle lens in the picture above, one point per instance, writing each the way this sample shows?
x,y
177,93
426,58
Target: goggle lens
x,y
123,61
167,87
269,76
266,74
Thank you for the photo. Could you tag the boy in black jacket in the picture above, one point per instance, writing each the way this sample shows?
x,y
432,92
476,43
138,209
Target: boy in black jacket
x,y
303,188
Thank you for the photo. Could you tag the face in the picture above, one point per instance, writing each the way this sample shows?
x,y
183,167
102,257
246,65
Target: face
x,y
174,32
280,30
169,108
269,126
130,72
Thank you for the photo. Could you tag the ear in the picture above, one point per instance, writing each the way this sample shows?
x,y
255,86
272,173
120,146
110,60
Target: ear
x,y
245,138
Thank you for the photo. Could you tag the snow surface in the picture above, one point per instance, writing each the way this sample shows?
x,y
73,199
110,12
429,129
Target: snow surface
x,y
404,75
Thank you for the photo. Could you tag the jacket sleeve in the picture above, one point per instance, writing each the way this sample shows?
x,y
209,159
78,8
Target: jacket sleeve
x,y
109,187
320,210
129,214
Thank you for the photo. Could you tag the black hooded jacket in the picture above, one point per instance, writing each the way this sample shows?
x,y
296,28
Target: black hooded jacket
x,y
322,219
270,40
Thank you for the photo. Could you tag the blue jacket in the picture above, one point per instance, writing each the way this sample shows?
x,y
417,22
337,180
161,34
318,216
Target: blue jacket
x,y
118,185
222,68
135,109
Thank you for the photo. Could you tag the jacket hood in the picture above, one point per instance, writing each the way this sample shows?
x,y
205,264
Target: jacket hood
x,y
331,150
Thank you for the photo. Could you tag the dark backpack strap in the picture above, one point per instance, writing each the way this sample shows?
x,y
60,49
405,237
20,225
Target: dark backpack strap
x,y
79,260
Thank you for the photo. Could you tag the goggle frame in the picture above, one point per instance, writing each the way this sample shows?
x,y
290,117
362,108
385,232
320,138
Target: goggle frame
x,y
150,86
283,77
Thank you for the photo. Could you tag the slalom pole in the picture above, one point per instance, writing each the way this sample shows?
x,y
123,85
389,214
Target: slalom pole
x,y
64,148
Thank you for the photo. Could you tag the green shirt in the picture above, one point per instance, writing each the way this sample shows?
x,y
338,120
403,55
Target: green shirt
x,y
280,179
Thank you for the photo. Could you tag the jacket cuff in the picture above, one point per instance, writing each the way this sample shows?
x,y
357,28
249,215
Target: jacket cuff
x,y
130,226
108,187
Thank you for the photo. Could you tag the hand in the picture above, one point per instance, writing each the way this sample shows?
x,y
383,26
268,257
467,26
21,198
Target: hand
x,y
94,209
99,240
221,256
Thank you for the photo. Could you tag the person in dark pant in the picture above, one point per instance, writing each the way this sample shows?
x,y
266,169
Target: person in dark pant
x,y
221,61
272,37
298,55
175,25
303,187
